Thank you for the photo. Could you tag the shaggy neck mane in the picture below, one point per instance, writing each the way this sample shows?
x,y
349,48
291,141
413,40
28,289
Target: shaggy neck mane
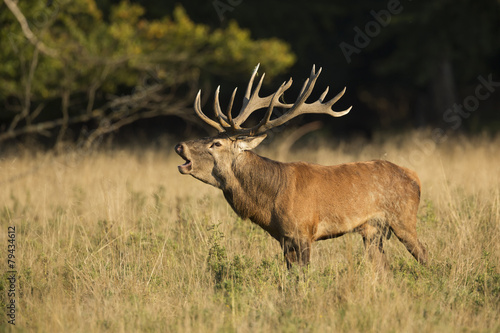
x,y
254,186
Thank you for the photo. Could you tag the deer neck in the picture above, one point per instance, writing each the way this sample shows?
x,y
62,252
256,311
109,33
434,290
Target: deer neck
x,y
252,187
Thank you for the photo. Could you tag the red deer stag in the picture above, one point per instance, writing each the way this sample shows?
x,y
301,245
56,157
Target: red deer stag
x,y
299,203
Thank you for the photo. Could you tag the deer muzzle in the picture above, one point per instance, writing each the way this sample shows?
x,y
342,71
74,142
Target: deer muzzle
x,y
187,167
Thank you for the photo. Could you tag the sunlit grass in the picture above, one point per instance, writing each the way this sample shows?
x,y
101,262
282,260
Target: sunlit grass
x,y
118,240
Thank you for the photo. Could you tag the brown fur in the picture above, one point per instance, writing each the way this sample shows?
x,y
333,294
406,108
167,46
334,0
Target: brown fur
x,y
299,203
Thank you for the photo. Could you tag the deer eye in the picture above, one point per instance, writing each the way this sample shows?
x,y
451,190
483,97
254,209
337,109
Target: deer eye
x,y
216,144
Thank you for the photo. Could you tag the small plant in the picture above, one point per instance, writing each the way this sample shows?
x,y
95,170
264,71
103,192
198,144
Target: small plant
x,y
485,284
229,274
217,257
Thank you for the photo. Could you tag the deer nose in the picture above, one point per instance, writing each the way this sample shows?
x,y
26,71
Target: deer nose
x,y
178,148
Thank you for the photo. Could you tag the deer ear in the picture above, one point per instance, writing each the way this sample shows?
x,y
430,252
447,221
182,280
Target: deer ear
x,y
250,142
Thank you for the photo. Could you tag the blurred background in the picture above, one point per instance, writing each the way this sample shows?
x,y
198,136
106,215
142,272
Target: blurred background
x,y
86,72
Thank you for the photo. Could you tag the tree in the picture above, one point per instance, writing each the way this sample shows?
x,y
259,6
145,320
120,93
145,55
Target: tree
x,y
68,64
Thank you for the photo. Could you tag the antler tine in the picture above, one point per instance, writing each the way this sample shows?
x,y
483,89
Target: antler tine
x,y
229,107
199,112
249,103
333,101
250,83
336,98
307,81
248,94
337,114
218,112
306,90
323,95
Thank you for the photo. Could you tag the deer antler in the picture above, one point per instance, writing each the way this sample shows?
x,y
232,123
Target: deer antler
x,y
252,102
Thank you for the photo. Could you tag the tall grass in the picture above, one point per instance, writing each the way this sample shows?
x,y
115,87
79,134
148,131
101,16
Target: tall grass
x,y
118,240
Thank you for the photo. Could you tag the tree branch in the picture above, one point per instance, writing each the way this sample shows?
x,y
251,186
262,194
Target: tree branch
x,y
27,31
46,125
149,102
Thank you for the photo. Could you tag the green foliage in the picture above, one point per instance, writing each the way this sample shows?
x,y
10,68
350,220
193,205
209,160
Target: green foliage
x,y
239,274
217,257
229,274
485,283
97,55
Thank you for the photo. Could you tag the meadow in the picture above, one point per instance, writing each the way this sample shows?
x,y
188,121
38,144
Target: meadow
x,y
117,240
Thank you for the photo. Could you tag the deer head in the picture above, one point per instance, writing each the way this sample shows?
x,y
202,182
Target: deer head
x,y
210,159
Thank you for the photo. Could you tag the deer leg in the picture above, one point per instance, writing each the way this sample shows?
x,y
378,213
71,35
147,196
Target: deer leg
x,y
296,251
305,253
290,254
407,234
405,229
374,247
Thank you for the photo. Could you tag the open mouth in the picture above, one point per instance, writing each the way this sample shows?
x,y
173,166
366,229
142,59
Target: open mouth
x,y
186,167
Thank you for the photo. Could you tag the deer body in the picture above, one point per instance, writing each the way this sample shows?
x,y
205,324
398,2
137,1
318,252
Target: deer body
x,y
299,203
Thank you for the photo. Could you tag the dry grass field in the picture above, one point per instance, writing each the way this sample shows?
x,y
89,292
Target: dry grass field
x,y
117,240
